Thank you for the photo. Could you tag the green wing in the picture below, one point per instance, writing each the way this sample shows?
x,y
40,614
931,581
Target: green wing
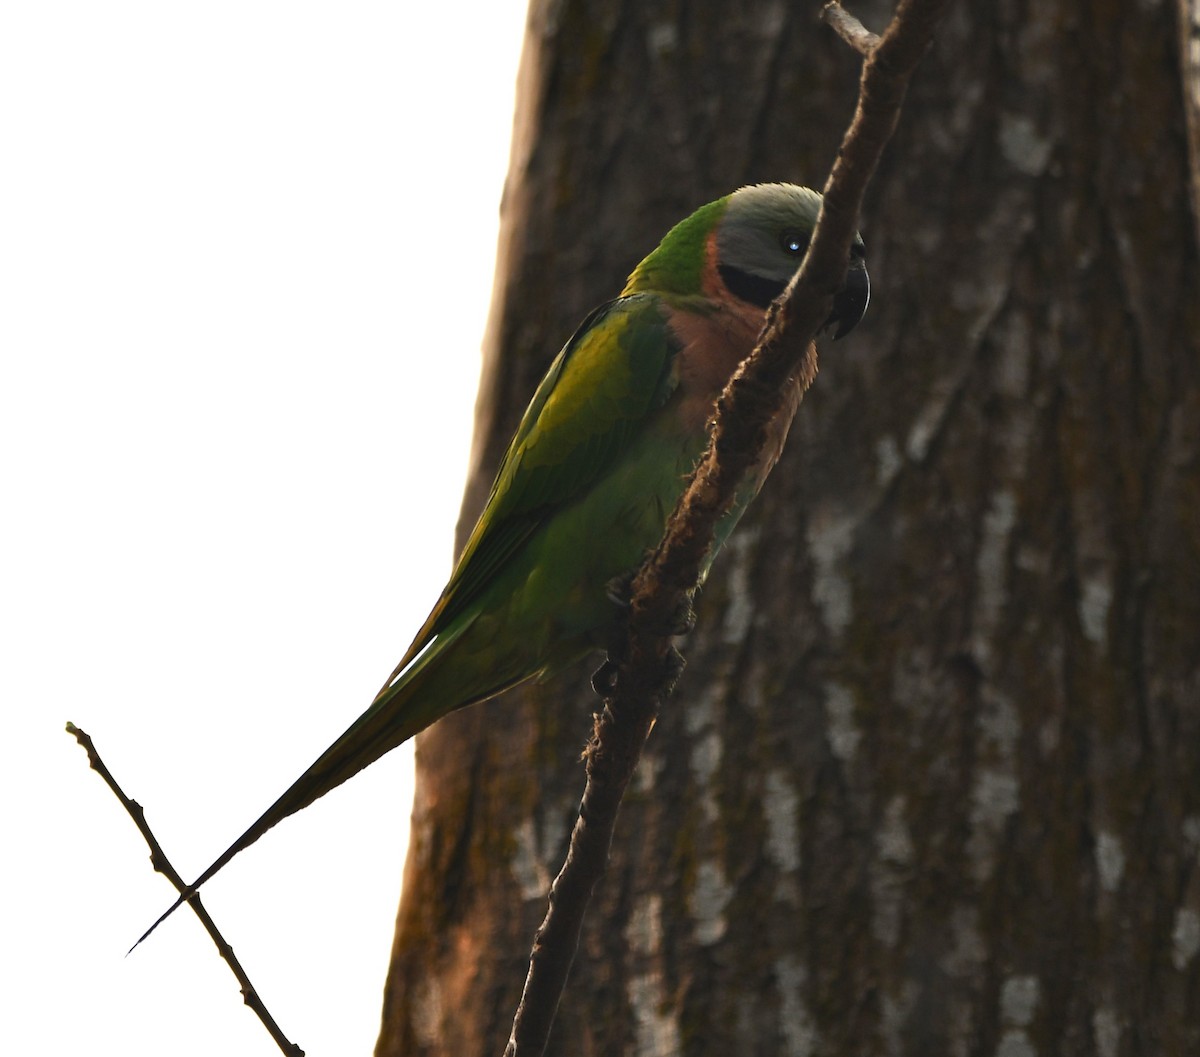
x,y
600,389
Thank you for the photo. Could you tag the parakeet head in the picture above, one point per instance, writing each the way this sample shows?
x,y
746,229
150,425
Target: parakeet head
x,y
748,245
761,240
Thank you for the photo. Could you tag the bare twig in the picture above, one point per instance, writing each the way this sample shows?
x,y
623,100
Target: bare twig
x,y
646,662
163,865
849,28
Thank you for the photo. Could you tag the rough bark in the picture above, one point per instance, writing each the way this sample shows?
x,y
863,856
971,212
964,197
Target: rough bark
x,y
930,781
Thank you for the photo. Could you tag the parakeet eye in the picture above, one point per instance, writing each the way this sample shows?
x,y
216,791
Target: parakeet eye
x,y
794,244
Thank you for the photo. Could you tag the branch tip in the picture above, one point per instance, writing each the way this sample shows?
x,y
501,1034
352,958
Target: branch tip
x,y
849,28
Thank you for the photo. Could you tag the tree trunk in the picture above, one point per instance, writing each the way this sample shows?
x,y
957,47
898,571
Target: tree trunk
x,y
930,783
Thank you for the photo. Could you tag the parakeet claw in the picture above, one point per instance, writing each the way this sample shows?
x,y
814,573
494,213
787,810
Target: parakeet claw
x,y
675,662
619,590
604,678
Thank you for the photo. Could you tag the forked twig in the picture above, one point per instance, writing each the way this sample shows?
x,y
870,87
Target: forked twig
x,y
163,865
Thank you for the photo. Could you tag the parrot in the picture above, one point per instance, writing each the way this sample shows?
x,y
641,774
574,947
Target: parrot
x,y
599,459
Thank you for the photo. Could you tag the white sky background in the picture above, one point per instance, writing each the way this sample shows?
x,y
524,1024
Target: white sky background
x,y
246,253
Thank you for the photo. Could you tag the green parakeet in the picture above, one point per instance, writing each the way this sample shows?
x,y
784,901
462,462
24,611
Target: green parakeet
x,y
598,462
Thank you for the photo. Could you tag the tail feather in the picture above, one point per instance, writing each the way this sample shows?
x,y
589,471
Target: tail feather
x,y
400,711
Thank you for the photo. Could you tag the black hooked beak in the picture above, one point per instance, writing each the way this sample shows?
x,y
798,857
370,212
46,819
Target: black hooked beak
x,y
850,303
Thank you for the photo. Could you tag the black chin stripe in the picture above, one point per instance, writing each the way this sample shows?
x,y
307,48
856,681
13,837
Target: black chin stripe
x,y
753,288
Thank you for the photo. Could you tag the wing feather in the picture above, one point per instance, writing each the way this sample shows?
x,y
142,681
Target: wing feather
x,y
607,380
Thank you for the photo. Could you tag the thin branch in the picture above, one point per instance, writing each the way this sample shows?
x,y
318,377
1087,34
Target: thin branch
x,y
163,865
647,663
849,28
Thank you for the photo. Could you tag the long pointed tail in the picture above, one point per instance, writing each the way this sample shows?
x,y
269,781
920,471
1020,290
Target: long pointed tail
x,y
401,710
379,730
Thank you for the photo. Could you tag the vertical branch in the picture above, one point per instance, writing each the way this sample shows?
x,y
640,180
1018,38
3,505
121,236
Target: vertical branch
x,y
646,662
1189,69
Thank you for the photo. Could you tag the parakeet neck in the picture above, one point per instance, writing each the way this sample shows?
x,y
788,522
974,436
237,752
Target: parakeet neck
x,y
677,265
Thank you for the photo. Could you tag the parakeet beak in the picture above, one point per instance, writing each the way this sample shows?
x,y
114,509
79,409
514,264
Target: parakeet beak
x,y
850,303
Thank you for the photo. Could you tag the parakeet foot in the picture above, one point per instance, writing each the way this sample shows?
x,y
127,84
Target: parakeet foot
x,y
683,620
604,678
680,621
